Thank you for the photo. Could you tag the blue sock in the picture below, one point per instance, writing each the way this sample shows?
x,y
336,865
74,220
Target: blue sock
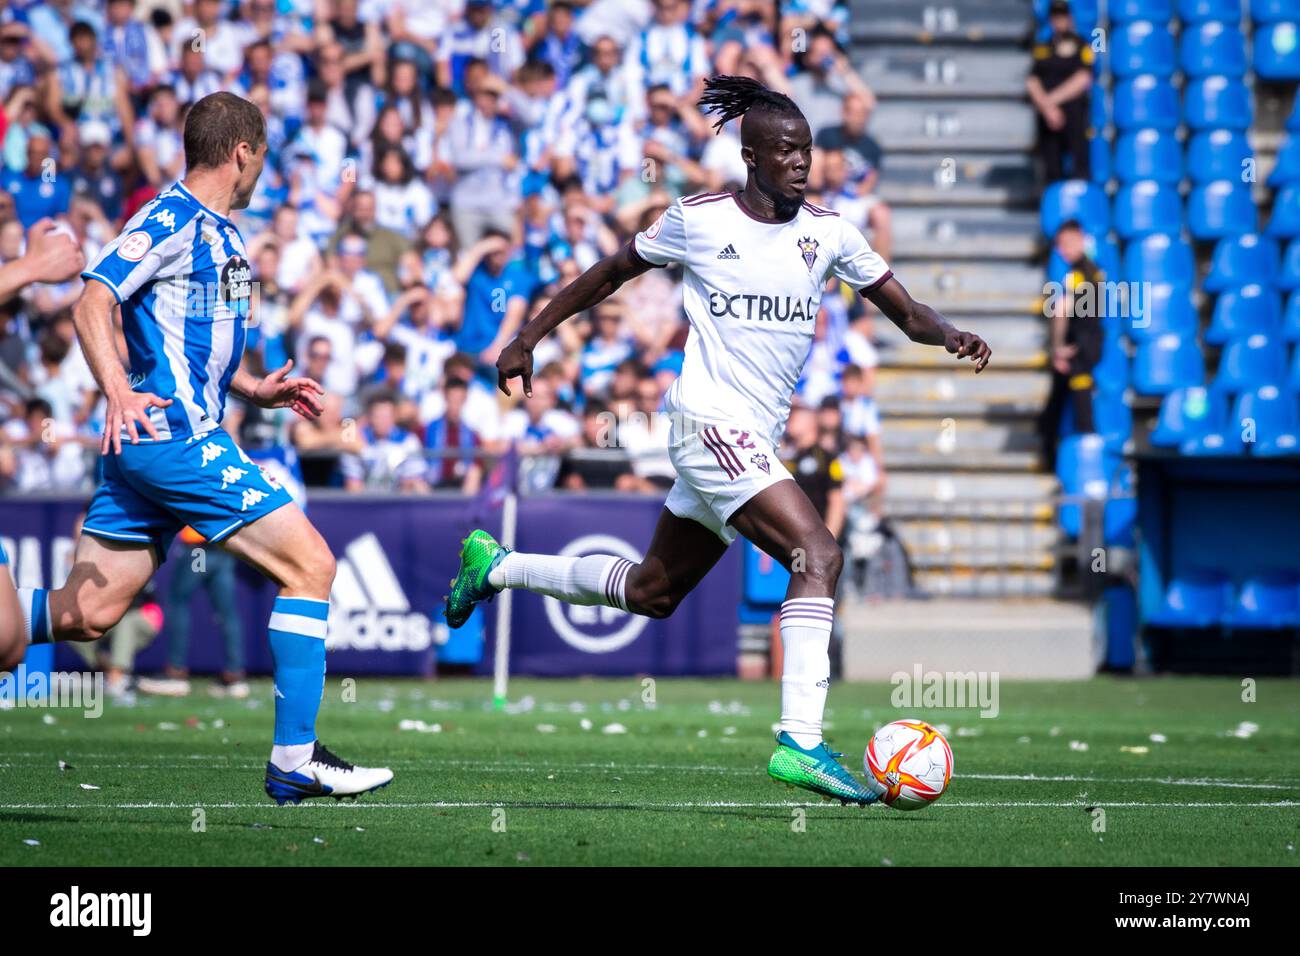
x,y
297,630
35,605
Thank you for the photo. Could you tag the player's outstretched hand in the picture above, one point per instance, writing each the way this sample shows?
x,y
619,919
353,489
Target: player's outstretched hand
x,y
128,410
964,344
52,252
304,395
515,361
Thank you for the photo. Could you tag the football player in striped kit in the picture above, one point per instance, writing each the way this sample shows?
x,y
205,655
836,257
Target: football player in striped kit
x,y
755,264
179,275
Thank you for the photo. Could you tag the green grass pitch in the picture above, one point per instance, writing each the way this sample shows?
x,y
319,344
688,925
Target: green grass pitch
x,y
585,772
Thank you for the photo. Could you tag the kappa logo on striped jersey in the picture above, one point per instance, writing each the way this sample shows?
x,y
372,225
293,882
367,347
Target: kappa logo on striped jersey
x,y
369,609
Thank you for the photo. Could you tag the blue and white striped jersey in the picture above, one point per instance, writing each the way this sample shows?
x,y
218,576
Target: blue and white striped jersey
x,y
180,273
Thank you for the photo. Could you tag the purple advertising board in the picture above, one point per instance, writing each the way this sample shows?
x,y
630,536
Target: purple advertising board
x,y
395,556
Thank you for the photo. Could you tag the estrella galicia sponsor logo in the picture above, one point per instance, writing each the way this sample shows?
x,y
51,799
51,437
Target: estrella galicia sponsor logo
x,y
749,307
236,281
369,609
74,909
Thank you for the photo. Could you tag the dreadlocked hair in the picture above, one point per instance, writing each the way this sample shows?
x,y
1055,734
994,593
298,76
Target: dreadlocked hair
x,y
731,96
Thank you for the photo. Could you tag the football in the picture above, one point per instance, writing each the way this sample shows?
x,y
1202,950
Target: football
x,y
910,763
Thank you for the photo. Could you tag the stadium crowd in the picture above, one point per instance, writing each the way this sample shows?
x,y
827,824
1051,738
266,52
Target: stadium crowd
x,y
437,168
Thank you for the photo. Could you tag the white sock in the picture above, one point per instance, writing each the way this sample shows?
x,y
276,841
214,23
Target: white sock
x,y
594,579
42,625
806,640
289,757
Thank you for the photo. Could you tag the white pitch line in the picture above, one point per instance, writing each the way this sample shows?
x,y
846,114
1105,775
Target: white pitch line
x,y
675,805
506,766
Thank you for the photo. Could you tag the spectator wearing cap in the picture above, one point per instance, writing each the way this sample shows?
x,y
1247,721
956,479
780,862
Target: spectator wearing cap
x,y
38,192
93,177
481,147
1060,87
16,64
481,36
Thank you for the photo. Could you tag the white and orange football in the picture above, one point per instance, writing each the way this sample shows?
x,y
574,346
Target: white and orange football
x,y
909,763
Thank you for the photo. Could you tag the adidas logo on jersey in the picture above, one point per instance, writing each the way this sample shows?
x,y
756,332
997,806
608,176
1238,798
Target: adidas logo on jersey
x,y
368,608
729,252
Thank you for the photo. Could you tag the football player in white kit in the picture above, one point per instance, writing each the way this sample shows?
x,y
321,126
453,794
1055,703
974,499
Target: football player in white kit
x,y
755,265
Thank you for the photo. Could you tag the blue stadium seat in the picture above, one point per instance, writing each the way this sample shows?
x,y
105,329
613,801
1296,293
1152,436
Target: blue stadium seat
x,y
1198,11
1291,321
1112,370
1145,207
1287,169
1288,277
1157,11
1246,311
1293,121
1098,103
1218,102
1272,413
1084,466
1221,208
1218,154
1148,154
1112,417
1194,598
1241,260
1167,362
1099,151
1168,308
1271,11
1249,363
1293,374
1160,257
1213,49
1277,50
1252,309
1285,223
1269,601
1146,102
1142,47
1075,199
1186,415
1120,517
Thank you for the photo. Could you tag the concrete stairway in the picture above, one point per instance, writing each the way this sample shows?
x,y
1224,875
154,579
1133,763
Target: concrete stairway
x,y
965,491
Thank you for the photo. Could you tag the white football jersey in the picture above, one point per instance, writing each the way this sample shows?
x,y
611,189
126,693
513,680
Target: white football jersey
x,y
752,290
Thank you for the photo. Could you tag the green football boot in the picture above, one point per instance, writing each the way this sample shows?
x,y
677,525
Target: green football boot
x,y
816,770
479,554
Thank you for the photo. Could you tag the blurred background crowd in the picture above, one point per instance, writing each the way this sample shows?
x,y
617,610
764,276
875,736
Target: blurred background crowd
x,y
437,170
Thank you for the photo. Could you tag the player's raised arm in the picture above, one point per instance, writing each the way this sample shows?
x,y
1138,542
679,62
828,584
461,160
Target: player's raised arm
x,y
593,286
922,324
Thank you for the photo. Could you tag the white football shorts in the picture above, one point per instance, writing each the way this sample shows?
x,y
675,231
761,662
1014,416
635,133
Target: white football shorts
x,y
719,468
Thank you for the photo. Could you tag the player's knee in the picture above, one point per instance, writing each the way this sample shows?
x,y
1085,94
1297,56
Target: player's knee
x,y
89,624
318,570
825,560
650,597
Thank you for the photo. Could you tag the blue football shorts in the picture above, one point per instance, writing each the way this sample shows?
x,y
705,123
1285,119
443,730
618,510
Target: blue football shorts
x,y
149,491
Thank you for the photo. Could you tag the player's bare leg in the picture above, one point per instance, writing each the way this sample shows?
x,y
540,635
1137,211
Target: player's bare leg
x,y
13,642
285,547
681,553
783,523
